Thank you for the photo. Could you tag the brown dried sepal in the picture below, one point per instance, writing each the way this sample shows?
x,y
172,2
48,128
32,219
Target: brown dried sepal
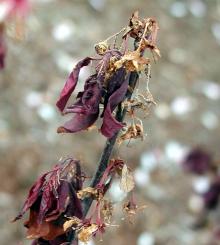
x,y
85,233
73,222
101,47
135,26
132,61
134,131
87,192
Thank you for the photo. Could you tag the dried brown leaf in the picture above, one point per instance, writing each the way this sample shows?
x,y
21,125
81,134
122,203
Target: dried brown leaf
x,y
127,179
133,132
85,234
72,222
132,61
87,192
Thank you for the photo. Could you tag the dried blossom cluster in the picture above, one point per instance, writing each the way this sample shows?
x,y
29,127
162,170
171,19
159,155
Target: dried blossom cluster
x,y
57,200
55,203
107,87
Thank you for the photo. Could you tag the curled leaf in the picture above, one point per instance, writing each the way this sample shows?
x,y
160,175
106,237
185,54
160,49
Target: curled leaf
x,y
70,223
132,61
127,179
86,109
71,83
132,132
85,234
87,192
51,199
110,125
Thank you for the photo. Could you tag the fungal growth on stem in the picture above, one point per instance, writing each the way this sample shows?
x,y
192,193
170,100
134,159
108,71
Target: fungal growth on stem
x,y
62,209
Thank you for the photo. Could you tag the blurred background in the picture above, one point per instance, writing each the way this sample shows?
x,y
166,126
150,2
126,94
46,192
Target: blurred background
x,y
185,84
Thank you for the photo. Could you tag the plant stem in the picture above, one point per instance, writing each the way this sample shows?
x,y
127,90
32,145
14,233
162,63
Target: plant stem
x,y
105,157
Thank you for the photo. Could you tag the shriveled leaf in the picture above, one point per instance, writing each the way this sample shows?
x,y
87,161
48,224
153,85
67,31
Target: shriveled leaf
x,y
86,109
70,223
71,83
133,61
78,123
87,192
32,196
132,132
85,234
110,125
127,179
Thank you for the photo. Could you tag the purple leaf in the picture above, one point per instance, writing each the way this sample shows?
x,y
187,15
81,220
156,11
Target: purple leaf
x,y
60,203
32,196
86,109
78,122
47,200
71,83
110,125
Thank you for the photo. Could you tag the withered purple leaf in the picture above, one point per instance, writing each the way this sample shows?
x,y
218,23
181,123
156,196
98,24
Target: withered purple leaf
x,y
86,108
71,83
110,125
51,198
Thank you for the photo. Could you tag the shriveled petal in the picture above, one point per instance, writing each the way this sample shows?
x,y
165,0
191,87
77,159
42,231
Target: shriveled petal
x,y
61,202
88,100
45,230
110,125
48,199
77,123
32,196
89,106
103,65
75,207
71,83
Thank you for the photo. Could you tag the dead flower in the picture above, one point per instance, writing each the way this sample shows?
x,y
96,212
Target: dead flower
x,y
134,131
86,233
132,61
87,192
51,199
73,221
